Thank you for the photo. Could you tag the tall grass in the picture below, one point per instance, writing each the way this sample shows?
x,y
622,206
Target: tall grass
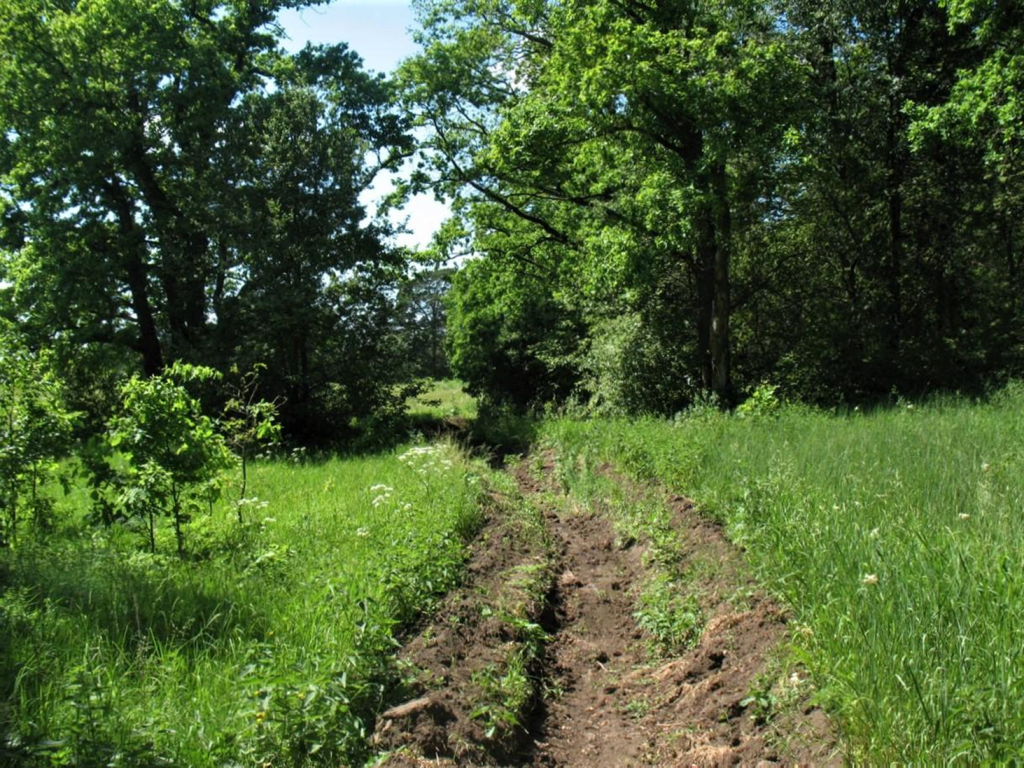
x,y
272,645
443,399
897,536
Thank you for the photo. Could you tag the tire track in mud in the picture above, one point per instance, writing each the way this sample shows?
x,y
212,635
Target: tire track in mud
x,y
597,698
594,642
616,706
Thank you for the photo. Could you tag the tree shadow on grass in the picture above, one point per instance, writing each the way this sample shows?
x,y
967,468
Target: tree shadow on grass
x,y
133,599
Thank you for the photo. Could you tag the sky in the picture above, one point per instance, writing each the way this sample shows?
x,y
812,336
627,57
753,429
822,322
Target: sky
x,y
378,30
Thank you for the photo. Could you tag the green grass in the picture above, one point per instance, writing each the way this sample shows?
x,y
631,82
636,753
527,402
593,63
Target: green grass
x,y
273,645
897,537
443,399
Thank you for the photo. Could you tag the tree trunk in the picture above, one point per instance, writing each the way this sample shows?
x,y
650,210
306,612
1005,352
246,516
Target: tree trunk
x,y
721,308
705,311
714,288
183,249
178,533
148,343
894,262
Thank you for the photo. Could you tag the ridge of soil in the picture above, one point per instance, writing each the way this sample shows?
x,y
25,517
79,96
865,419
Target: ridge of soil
x,y
596,638
467,642
608,702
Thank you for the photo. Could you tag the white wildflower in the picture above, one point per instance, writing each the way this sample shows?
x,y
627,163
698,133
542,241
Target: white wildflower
x,y
869,579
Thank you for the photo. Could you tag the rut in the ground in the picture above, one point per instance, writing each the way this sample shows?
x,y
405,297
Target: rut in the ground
x,y
613,705
597,698
595,643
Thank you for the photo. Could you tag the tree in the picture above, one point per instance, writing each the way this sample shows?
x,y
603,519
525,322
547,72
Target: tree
x,y
607,142
173,182
173,454
35,431
509,338
421,317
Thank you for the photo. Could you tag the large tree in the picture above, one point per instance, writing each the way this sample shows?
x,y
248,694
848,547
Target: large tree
x,y
608,143
171,181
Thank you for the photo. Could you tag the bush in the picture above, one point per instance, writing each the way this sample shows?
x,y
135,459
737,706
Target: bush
x,y
173,455
35,429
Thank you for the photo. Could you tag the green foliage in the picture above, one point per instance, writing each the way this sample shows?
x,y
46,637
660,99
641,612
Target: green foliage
x,y
421,316
509,338
35,432
630,368
506,695
672,619
598,151
763,401
174,185
823,196
173,455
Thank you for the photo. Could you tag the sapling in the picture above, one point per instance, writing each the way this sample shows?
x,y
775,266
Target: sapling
x,y
248,423
35,430
172,453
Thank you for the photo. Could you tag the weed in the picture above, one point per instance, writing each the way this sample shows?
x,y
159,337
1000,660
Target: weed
x,y
638,708
671,618
505,694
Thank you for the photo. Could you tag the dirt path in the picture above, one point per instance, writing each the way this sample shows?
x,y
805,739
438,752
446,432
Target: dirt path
x,y
595,642
592,694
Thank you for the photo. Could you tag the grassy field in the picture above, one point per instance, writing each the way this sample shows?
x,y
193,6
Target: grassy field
x,y
444,399
272,645
897,537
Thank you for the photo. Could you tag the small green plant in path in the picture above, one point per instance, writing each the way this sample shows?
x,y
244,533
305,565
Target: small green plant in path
x,y
670,616
895,536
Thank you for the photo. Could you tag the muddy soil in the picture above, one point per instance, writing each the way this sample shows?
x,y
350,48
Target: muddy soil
x,y
604,700
465,645
596,641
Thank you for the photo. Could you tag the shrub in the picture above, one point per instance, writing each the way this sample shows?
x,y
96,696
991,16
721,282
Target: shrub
x,y
35,429
173,455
